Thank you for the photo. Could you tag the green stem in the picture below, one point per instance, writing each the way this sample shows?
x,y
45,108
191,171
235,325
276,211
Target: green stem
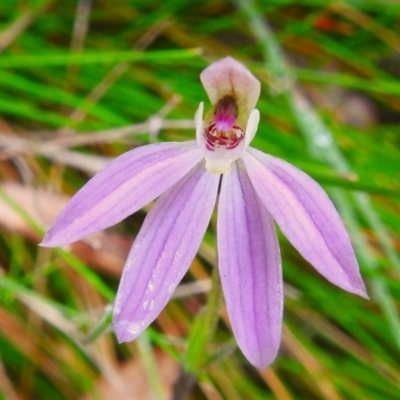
x,y
214,304
203,329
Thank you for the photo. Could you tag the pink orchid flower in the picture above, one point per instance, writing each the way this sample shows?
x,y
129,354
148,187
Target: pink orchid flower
x,y
256,189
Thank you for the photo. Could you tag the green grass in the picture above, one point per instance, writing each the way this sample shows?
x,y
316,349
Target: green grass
x,y
341,57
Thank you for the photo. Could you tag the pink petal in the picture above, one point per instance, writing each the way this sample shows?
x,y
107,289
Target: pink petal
x,y
163,250
122,188
230,77
250,268
307,217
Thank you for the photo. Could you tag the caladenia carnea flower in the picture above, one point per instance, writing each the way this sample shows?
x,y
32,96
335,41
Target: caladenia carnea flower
x,y
256,189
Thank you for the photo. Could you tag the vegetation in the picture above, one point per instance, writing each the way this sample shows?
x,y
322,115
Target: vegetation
x,y
83,81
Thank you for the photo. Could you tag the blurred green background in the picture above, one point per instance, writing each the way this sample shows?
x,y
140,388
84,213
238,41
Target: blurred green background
x,y
82,81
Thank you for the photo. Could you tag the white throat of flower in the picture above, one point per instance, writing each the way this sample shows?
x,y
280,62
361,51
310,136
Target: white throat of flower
x,y
222,138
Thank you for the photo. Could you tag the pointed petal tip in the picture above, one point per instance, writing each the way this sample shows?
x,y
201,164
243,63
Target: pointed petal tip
x,y
365,295
48,242
127,331
52,239
352,284
360,290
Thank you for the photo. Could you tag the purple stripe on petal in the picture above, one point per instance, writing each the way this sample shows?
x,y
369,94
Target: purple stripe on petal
x,y
250,268
122,188
163,250
307,217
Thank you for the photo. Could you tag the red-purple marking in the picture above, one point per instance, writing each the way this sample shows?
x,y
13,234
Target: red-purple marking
x,y
228,139
223,131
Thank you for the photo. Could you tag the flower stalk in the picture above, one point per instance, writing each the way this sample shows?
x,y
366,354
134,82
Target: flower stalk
x,y
203,330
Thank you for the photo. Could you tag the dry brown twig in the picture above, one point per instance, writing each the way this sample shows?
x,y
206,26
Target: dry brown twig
x,y
13,146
